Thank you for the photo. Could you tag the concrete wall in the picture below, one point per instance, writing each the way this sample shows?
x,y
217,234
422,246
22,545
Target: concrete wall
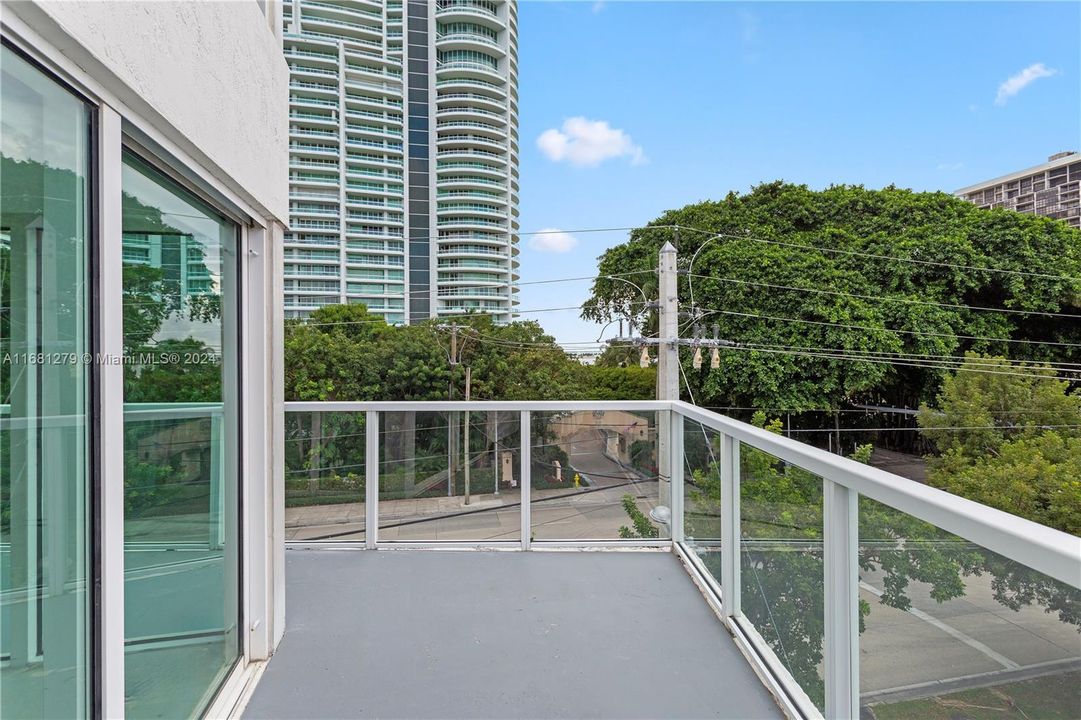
x,y
209,74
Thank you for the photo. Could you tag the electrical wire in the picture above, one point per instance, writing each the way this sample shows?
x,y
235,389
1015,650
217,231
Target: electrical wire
x,y
907,301
891,258
900,363
734,313
925,357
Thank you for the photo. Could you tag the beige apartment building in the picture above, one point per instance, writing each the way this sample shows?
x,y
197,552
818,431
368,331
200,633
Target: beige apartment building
x,y
1050,189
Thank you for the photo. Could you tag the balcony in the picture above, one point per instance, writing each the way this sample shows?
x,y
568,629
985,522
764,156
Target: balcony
x,y
852,591
522,645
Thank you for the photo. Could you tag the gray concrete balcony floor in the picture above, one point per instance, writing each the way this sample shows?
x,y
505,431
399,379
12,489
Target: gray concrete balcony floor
x,y
478,634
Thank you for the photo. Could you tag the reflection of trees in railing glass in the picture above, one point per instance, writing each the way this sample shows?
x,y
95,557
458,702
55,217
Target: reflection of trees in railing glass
x,y
782,562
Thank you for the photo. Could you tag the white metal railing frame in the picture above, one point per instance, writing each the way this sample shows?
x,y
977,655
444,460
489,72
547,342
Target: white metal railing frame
x,y
374,410
1046,550
1049,551
1043,549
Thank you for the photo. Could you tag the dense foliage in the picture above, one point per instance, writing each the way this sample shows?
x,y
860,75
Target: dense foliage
x,y
343,352
1011,440
782,582
820,243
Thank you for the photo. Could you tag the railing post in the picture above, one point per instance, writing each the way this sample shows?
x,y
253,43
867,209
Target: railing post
x,y
675,449
525,483
841,599
730,531
371,479
216,519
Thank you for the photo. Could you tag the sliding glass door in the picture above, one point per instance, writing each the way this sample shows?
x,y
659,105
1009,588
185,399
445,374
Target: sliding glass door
x,y
181,464
45,647
181,461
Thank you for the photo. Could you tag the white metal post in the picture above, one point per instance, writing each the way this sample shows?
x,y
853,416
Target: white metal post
x,y
841,599
258,481
273,254
730,531
111,413
371,479
675,447
524,462
667,371
668,325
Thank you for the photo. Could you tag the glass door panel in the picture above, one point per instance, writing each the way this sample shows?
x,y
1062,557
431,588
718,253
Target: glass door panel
x,y
44,390
180,446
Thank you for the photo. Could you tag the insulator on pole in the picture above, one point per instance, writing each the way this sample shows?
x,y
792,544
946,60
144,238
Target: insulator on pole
x,y
715,359
697,362
644,359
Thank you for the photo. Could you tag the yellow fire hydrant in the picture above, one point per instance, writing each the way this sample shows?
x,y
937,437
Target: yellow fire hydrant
x,y
577,480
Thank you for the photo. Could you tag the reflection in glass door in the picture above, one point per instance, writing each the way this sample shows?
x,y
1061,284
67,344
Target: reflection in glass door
x,y
44,382
180,446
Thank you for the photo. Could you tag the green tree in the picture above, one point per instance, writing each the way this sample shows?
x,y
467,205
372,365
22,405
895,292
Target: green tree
x,y
1011,440
825,239
782,563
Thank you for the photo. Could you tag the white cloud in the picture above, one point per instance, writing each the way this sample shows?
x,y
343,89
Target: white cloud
x,y
598,6
552,240
749,25
588,143
1019,81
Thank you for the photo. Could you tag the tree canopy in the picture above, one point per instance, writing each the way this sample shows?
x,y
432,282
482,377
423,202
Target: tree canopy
x,y
1010,440
889,277
343,352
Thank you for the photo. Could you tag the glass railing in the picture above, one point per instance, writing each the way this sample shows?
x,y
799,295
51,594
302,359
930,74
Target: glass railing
x,y
870,595
479,6
465,137
468,96
428,472
472,81
295,100
494,157
466,65
471,124
467,37
857,592
351,9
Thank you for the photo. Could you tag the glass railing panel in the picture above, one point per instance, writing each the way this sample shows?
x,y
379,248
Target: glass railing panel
x,y
449,476
951,629
702,494
781,563
325,476
594,475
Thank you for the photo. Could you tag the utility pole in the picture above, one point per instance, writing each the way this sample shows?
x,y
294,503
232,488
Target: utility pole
x,y
452,417
468,384
667,326
668,343
452,421
495,452
667,366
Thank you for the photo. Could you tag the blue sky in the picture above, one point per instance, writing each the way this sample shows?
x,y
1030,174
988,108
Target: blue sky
x,y
678,102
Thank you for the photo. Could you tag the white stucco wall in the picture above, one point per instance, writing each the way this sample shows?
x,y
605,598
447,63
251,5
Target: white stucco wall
x,y
209,74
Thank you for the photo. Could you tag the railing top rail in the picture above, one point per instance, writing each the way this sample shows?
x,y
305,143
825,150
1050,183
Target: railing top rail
x,y
478,405
1041,548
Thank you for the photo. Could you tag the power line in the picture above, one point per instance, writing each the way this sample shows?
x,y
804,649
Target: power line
x,y
897,362
549,281
927,333
876,411
931,429
908,301
487,235
923,357
448,316
892,258
943,362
